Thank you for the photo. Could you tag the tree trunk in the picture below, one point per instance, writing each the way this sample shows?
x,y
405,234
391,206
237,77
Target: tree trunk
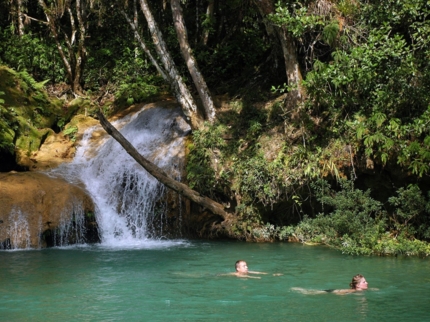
x,y
73,60
145,49
195,73
17,12
160,175
81,52
180,90
289,49
53,28
209,15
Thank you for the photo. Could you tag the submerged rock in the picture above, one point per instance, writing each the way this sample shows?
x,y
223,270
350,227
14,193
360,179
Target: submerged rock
x,y
39,211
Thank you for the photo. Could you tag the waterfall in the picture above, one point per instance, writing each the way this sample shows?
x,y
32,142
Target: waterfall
x,y
70,231
18,231
131,204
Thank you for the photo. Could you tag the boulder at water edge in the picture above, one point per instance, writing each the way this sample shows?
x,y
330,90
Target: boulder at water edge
x,y
37,211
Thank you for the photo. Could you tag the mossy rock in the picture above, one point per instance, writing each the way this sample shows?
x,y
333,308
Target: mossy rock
x,y
27,115
31,138
79,105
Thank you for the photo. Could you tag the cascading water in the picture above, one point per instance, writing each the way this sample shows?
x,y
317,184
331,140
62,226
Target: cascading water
x,y
131,204
70,231
19,231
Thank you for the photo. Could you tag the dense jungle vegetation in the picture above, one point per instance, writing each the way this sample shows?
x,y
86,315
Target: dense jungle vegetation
x,y
321,125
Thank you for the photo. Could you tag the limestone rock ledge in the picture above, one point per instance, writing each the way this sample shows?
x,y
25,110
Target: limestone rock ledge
x,y
38,211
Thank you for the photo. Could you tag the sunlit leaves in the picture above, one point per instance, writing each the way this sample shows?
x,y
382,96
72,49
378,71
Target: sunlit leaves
x,y
296,19
330,33
379,87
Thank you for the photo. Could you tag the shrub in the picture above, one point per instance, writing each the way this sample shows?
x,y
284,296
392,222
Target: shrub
x,y
356,224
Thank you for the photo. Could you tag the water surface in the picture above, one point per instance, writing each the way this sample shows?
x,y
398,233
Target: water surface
x,y
180,281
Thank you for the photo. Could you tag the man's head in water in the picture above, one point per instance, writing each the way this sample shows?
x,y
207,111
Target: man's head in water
x,y
241,267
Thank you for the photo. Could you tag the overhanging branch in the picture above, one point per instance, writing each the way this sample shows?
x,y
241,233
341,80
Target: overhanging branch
x,y
159,174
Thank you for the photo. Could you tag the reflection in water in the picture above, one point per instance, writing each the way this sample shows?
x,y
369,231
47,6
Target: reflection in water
x,y
362,306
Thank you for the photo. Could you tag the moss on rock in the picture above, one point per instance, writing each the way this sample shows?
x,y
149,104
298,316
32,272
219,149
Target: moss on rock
x,y
27,115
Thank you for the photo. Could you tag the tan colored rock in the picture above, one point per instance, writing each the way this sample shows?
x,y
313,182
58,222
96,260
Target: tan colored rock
x,y
32,203
57,148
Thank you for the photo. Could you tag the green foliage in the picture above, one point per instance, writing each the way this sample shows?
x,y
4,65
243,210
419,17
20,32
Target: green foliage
x,y
122,62
356,224
208,23
406,142
410,216
33,53
318,28
71,132
401,246
121,67
267,232
353,223
354,214
136,92
29,80
408,18
6,122
61,122
34,89
296,18
348,8
201,164
358,86
362,79
257,180
330,33
24,112
216,165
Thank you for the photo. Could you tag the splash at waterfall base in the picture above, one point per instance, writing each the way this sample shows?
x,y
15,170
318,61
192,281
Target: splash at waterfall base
x,y
40,211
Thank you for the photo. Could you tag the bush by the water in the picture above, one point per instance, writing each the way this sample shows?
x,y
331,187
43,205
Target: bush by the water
x,y
357,224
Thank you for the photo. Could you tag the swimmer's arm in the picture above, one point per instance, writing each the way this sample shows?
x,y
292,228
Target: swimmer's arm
x,y
306,291
343,292
227,274
348,291
254,272
238,275
264,273
248,276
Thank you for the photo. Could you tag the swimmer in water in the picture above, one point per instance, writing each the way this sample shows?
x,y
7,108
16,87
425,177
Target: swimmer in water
x,y
242,271
357,284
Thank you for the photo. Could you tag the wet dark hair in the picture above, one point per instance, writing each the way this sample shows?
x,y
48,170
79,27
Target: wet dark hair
x,y
238,262
355,280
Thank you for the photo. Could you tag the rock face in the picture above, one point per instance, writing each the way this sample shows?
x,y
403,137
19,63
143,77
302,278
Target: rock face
x,y
56,148
38,211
